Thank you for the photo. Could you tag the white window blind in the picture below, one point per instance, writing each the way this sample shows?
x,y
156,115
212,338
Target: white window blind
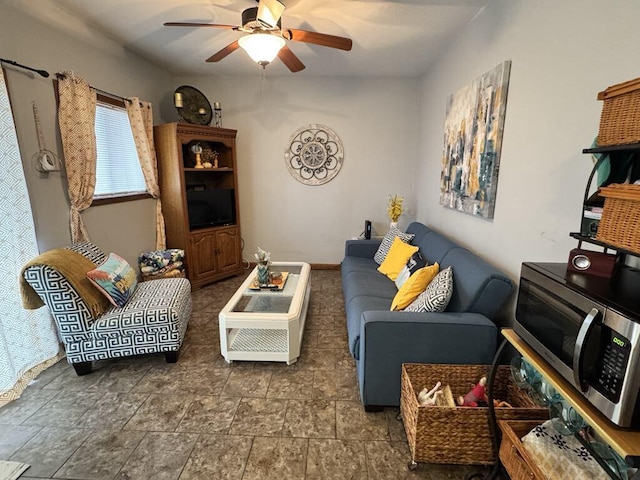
x,y
118,171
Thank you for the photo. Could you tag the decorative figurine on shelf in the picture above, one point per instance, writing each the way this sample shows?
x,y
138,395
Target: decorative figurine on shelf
x,y
217,115
477,395
197,150
263,259
211,157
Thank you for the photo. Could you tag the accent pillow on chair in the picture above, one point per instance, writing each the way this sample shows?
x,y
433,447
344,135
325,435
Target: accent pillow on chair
x,y
115,279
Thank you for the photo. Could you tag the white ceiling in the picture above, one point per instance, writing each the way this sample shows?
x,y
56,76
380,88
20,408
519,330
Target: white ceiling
x,y
390,37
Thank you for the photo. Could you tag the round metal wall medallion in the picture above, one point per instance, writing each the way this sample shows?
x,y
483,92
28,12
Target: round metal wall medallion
x,y
314,154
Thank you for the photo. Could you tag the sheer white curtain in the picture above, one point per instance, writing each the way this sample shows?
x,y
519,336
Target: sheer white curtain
x,y
28,340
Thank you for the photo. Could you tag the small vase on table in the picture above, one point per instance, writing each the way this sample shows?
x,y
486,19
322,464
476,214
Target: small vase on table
x,y
263,273
262,261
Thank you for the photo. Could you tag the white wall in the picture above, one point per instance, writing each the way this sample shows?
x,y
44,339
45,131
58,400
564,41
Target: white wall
x,y
563,54
125,228
377,121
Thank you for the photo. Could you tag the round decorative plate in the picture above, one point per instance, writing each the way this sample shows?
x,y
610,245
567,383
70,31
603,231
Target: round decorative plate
x,y
195,106
314,154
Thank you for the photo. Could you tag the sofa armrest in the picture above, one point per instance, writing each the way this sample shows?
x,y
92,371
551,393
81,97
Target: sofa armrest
x,y
389,339
361,248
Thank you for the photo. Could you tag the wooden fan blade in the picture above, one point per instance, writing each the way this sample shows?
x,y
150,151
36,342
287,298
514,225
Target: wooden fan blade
x,y
290,59
188,24
322,39
216,57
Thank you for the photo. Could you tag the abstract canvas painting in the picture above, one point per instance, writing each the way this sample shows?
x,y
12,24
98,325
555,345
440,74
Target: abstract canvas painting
x,y
472,142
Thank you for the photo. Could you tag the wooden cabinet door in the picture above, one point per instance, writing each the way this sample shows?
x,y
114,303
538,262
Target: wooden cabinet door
x,y
202,261
228,255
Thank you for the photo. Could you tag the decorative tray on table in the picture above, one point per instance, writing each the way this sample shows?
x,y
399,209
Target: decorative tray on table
x,y
277,282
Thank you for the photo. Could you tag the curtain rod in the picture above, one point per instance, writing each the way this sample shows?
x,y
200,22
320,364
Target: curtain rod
x,y
60,75
43,73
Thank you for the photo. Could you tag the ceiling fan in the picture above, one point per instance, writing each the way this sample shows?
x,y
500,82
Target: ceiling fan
x,y
266,38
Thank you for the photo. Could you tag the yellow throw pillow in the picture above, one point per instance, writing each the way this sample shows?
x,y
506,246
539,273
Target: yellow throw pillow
x,y
413,287
397,258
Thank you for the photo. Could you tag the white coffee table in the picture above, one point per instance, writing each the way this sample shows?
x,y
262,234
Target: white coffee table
x,y
267,325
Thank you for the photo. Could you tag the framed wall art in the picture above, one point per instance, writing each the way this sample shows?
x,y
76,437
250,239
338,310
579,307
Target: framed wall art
x,y
314,154
472,143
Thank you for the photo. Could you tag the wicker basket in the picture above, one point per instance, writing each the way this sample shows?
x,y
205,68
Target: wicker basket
x,y
620,223
620,118
514,456
457,435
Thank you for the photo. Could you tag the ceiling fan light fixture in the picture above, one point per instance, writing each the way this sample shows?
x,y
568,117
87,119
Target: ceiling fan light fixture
x,y
262,47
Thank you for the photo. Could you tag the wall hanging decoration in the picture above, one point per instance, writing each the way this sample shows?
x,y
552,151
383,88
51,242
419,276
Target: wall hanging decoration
x,y
472,142
192,105
314,154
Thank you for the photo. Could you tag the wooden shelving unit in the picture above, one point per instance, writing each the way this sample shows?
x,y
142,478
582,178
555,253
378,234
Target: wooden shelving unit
x,y
212,252
624,441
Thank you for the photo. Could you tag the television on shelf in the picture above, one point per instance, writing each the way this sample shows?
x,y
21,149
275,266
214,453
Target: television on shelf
x,y
211,207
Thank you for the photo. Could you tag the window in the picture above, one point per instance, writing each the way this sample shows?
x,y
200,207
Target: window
x,y
118,172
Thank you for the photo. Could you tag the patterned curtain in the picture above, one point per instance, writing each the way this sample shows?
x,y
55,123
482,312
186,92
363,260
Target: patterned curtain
x,y
76,116
28,340
141,119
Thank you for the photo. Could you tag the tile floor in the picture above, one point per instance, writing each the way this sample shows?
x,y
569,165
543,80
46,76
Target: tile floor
x,y
141,418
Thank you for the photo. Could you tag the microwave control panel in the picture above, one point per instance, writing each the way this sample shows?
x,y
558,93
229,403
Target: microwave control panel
x,y
612,364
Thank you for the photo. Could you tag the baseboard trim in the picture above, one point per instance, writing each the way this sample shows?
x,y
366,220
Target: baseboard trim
x,y
325,266
314,266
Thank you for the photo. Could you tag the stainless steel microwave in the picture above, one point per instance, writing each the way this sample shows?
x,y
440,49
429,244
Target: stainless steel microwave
x,y
587,329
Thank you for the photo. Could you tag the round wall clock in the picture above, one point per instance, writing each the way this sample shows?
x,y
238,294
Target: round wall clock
x,y
192,105
314,154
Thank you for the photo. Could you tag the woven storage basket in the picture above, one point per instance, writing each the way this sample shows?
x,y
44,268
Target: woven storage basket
x,y
458,435
514,456
620,118
620,223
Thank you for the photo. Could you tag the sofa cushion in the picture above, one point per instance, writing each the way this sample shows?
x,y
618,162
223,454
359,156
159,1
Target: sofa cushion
x,y
115,279
476,284
370,284
398,255
414,286
436,296
354,311
157,306
435,246
357,264
388,239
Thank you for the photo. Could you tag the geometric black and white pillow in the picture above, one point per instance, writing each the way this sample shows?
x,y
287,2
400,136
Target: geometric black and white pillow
x,y
388,239
436,296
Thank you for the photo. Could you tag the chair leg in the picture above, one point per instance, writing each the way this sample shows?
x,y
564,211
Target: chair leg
x,y
82,368
171,357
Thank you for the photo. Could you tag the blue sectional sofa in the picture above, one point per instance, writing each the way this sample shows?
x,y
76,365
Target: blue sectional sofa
x,y
381,340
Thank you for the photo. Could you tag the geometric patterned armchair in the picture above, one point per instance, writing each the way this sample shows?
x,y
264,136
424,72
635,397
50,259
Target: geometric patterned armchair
x,y
154,318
